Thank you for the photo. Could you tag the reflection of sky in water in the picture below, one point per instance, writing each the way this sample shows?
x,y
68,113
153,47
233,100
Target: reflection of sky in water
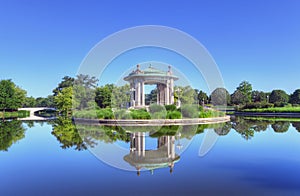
x,y
267,164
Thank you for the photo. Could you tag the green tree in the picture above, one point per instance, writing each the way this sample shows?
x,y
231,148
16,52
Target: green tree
x,y
259,96
84,91
185,94
295,97
103,96
220,96
121,96
279,96
29,102
202,96
151,97
246,89
11,96
66,82
238,98
63,101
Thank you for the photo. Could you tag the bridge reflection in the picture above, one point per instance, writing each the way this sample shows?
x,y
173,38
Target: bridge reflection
x,y
33,112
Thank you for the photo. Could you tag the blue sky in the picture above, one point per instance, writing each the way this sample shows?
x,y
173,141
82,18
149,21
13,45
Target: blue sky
x,y
257,41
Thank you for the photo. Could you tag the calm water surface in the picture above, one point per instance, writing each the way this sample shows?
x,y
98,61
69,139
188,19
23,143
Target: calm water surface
x,y
249,158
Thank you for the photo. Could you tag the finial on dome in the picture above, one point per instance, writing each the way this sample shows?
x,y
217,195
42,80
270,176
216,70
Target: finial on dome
x,y
170,69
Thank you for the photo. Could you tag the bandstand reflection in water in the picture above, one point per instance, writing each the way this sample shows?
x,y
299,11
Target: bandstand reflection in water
x,y
141,158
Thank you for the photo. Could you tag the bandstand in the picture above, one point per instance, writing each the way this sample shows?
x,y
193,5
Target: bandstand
x,y
163,79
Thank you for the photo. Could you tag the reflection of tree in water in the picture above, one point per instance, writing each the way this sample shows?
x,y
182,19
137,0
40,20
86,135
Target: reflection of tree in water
x,y
247,128
66,133
243,127
223,129
107,134
296,125
281,127
10,133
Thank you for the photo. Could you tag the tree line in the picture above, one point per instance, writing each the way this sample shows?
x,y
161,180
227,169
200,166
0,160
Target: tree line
x,y
82,92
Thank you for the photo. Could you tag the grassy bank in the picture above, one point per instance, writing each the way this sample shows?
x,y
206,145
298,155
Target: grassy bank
x,y
274,110
15,114
155,112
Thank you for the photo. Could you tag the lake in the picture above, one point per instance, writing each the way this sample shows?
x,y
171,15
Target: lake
x,y
250,157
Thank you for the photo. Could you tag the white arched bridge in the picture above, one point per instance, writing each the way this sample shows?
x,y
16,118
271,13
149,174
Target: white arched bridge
x,y
33,112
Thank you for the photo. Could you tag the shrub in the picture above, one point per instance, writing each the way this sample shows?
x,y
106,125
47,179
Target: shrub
x,y
189,111
156,108
122,114
171,107
140,114
255,105
105,113
173,115
159,115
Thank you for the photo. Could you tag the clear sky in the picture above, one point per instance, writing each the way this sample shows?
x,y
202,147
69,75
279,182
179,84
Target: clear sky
x,y
258,41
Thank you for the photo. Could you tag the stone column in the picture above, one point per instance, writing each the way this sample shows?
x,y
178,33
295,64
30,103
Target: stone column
x,y
172,91
138,98
173,147
143,144
157,95
143,94
167,93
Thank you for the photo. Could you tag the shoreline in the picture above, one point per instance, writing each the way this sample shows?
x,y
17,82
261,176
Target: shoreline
x,y
268,114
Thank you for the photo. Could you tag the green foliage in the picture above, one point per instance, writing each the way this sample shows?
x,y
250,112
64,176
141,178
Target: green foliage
x,y
295,97
103,96
246,90
189,111
63,100
202,96
239,98
140,114
29,102
254,105
14,114
10,132
106,113
275,109
45,101
11,96
174,115
259,96
186,95
210,114
65,83
112,96
220,96
279,97
67,134
88,114
152,97
84,92
120,96
281,127
122,114
171,107
156,108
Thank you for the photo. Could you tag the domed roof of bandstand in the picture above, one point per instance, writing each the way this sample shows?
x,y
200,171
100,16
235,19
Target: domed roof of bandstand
x,y
150,72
